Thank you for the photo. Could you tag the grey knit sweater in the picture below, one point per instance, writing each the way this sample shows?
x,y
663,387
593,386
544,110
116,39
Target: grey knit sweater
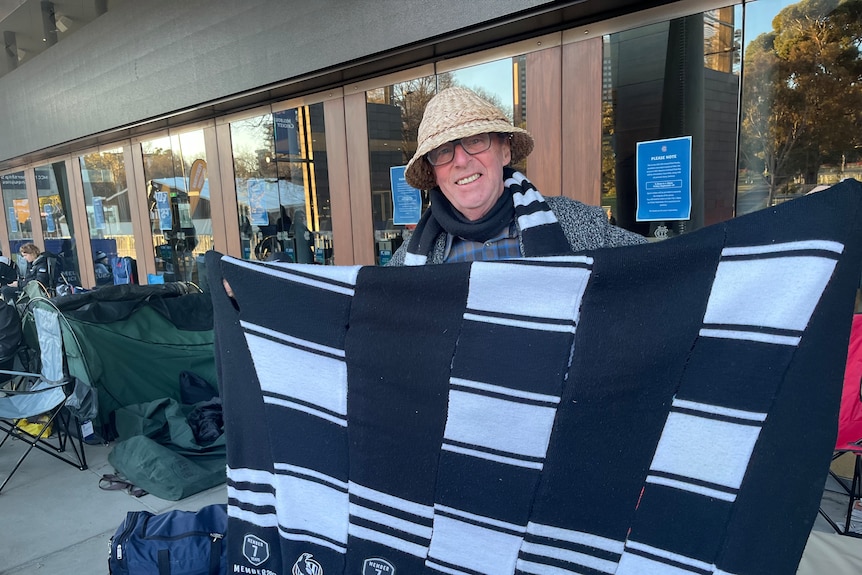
x,y
586,228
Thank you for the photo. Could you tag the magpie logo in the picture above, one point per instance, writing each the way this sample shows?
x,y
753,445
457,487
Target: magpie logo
x,y
305,565
255,549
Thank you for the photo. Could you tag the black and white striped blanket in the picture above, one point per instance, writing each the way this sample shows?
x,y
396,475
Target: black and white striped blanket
x,y
660,409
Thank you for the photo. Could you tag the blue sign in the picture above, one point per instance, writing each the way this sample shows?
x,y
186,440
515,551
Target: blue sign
x,y
163,205
384,256
257,203
406,200
664,179
98,213
13,220
49,219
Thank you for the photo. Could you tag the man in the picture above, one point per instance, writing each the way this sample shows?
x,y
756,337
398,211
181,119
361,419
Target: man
x,y
480,208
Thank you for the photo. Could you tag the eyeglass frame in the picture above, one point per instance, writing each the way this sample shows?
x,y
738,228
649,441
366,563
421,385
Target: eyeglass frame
x,y
463,147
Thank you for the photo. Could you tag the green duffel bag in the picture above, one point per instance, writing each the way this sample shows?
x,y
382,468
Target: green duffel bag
x,y
157,451
164,472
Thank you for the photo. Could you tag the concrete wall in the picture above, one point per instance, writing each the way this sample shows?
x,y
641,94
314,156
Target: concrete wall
x,y
150,58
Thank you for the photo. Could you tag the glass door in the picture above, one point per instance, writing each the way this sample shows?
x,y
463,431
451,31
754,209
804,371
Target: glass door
x,y
55,217
17,211
282,183
106,196
177,187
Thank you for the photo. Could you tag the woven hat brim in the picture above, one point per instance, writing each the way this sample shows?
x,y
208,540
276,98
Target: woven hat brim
x,y
419,173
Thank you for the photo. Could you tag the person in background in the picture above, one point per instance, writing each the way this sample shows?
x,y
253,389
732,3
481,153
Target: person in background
x,y
8,271
482,209
41,267
103,269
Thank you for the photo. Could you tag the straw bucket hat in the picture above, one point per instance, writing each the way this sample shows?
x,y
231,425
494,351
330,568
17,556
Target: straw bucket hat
x,y
455,113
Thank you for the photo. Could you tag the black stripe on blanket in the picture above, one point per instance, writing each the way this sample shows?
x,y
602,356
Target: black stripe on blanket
x,y
442,421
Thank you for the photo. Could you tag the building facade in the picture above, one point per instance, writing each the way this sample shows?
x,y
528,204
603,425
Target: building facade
x,y
159,130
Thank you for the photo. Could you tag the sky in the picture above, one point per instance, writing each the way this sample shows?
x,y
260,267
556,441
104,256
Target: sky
x,y
495,77
759,15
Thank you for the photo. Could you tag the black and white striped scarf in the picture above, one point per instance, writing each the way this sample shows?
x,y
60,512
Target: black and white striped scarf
x,y
541,233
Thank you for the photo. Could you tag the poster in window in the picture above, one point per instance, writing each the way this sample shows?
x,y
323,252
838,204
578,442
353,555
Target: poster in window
x,y
257,202
406,200
286,133
664,179
98,213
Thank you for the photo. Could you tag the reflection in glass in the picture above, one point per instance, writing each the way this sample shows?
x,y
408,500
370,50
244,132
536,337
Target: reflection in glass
x,y
177,190
394,113
17,210
644,99
282,185
55,215
106,196
802,91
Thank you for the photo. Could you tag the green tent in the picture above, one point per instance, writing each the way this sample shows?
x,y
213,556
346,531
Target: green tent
x,y
131,343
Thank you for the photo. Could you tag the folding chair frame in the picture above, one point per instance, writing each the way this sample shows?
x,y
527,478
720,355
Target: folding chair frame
x,y
59,444
853,491
55,445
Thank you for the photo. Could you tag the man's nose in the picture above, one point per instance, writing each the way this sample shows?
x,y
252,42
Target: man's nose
x,y
460,155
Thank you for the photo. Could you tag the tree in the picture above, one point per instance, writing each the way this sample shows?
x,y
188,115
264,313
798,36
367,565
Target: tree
x,y
411,97
609,167
802,91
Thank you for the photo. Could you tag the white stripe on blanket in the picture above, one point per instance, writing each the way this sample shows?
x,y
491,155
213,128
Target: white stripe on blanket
x,y
299,273
778,293
535,291
313,378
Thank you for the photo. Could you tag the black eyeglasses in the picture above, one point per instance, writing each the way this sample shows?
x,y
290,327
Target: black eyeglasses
x,y
446,153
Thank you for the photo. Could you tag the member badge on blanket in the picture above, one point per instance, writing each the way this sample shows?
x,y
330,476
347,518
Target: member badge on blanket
x,y
663,409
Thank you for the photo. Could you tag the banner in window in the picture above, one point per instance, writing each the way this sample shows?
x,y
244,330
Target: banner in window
x,y
286,133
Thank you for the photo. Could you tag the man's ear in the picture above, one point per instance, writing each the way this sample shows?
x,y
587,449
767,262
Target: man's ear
x,y
507,150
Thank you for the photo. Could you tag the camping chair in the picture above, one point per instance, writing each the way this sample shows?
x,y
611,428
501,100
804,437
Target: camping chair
x,y
849,438
44,395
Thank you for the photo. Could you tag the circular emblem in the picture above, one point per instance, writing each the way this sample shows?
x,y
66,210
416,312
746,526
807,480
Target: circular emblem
x,y
377,566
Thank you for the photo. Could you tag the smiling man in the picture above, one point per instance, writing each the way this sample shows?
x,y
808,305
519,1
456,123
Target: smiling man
x,y
480,208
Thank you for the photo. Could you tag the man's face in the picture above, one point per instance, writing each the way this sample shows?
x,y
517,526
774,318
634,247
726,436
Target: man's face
x,y
474,183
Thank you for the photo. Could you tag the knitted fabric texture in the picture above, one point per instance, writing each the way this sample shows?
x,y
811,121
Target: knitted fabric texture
x,y
664,408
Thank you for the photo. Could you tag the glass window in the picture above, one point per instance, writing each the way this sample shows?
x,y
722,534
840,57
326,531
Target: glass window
x,y
667,80
801,96
177,190
394,113
106,195
282,186
17,210
504,84
55,215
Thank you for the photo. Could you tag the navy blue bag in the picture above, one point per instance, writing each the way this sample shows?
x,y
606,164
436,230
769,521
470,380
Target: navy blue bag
x,y
170,543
